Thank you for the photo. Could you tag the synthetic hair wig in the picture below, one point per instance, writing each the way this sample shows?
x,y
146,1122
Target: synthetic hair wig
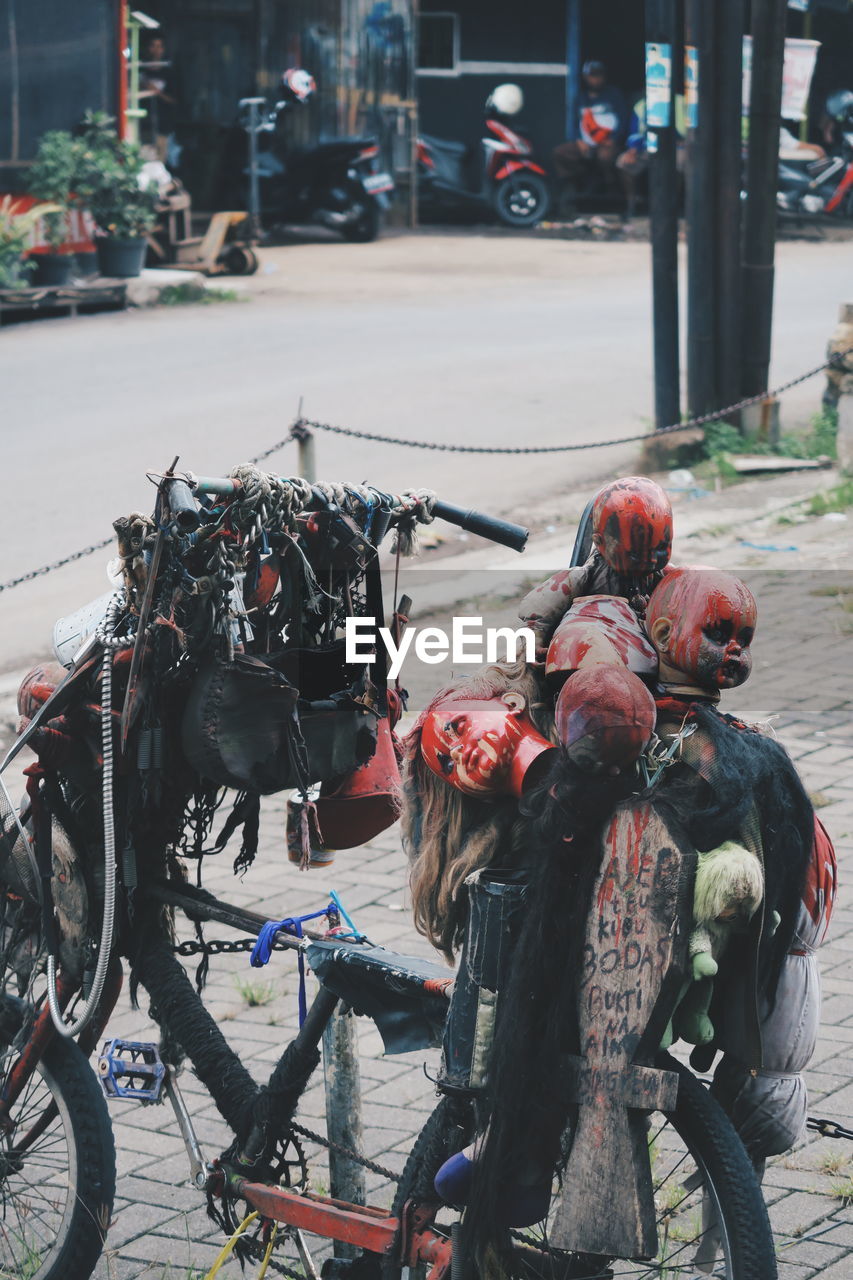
x,y
527,1106
447,834
748,785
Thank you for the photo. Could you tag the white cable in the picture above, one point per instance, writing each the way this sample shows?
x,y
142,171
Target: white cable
x,y
111,642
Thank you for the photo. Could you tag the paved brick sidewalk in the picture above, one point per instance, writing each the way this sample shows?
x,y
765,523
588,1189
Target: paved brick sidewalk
x,y
803,676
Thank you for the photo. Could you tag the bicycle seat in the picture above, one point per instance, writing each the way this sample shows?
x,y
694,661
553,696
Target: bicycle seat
x,y
405,996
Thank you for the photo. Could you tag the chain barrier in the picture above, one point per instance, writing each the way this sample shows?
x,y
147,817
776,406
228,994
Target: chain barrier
x,y
829,1128
837,358
699,421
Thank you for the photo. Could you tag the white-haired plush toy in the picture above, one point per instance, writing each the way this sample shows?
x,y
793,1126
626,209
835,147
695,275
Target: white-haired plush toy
x,y
728,891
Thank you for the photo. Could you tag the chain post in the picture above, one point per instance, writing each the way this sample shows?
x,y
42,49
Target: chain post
x,y
343,1113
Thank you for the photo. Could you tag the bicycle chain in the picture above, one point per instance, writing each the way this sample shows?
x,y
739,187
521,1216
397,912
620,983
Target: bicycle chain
x,y
345,1151
217,947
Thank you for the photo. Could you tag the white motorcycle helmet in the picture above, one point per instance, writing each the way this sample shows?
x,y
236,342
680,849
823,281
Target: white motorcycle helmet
x,y
505,100
297,85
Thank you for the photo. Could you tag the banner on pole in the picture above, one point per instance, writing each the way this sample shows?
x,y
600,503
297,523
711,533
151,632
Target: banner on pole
x,y
691,86
800,58
658,86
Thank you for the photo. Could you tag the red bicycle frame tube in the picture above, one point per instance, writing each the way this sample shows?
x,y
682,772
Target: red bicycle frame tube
x,y
360,1225
43,1032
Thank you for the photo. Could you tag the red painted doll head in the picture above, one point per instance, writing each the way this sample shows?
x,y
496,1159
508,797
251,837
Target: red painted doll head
x,y
605,717
483,747
632,526
701,621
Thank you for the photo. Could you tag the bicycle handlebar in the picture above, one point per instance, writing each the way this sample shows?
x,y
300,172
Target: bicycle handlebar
x,y
485,526
502,531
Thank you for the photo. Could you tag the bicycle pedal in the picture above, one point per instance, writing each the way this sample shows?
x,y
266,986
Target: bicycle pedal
x,y
131,1069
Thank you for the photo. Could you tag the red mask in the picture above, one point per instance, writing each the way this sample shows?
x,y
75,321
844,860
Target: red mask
x,y
605,717
711,619
483,747
632,525
600,629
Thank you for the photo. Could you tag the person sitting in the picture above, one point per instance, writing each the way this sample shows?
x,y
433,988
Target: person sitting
x,y
602,127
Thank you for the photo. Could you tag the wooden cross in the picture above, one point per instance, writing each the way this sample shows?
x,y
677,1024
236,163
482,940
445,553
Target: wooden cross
x,y
634,957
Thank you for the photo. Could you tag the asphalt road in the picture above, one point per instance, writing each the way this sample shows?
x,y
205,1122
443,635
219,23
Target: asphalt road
x,y
452,338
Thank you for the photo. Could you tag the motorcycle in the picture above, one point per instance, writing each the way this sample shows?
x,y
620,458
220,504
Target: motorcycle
x,y
823,185
500,177
338,184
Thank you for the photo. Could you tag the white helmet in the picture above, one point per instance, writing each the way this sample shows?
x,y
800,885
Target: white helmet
x,y
506,100
297,85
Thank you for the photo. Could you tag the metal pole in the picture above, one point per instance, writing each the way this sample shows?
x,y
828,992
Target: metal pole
x,y
729,146
759,240
701,241
663,211
573,66
343,1113
252,127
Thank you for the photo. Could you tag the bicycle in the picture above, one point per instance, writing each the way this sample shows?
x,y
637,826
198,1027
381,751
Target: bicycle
x,y
57,1160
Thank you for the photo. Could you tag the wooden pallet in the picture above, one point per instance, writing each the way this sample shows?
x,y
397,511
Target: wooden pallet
x,y
67,297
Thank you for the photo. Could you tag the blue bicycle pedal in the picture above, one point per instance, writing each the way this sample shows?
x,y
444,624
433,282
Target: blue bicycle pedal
x,y
131,1069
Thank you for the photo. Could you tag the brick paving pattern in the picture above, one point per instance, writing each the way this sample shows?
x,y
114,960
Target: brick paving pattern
x,y
803,678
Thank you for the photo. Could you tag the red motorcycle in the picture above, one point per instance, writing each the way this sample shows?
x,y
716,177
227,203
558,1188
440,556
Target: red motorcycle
x,y
499,177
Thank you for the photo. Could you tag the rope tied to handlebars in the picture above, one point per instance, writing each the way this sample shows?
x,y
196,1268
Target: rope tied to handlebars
x,y
419,504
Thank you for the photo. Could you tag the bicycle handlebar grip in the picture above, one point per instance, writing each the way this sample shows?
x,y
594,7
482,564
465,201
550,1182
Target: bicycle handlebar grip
x,y
502,531
182,505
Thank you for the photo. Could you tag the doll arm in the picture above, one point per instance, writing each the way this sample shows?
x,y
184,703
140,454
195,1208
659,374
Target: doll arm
x,y
544,606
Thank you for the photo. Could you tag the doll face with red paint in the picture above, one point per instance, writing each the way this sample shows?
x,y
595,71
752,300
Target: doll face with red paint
x,y
701,621
481,746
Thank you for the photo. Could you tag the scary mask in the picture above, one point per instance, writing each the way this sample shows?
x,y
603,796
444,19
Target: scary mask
x,y
632,526
701,621
483,747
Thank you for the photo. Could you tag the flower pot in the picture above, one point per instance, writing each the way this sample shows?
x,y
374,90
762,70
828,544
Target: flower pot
x,y
52,268
121,257
87,264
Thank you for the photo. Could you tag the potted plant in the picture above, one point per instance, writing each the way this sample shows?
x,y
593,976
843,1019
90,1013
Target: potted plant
x,y
15,228
52,179
110,182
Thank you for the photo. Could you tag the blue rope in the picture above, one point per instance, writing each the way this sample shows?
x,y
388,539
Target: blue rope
x,y
262,950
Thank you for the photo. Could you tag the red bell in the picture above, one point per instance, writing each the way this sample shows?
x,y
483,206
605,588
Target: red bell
x,y
367,801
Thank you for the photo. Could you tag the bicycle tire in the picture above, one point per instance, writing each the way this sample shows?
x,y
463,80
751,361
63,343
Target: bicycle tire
x,y
711,1141
56,1201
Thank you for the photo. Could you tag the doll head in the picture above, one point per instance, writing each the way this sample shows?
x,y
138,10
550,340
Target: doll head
x,y
605,717
632,526
483,747
701,622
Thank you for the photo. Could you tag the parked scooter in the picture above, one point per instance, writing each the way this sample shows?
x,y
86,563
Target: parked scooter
x,y
337,184
499,177
822,185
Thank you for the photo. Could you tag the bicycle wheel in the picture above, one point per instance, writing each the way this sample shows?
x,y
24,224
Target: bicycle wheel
x,y
711,1214
57,1172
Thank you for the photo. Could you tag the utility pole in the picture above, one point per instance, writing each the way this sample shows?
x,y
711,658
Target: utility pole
x,y
700,93
759,240
573,66
661,45
729,157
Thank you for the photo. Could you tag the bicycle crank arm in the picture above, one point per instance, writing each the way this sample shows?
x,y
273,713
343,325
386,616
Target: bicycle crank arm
x,y
200,1169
